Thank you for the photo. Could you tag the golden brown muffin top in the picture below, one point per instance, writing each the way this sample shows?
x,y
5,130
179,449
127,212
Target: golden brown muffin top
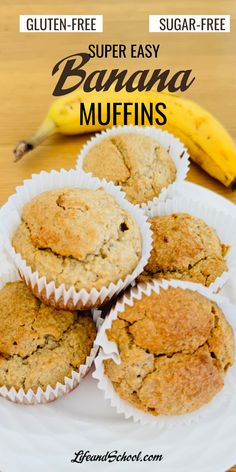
x,y
39,345
135,162
185,247
74,222
77,237
174,347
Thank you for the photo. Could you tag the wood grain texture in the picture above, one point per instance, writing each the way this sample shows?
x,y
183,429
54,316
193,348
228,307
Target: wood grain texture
x,y
26,83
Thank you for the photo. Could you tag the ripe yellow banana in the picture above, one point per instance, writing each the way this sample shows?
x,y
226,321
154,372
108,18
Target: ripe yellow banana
x,y
207,141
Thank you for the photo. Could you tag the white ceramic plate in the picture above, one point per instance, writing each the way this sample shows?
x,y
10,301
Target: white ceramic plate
x,y
44,438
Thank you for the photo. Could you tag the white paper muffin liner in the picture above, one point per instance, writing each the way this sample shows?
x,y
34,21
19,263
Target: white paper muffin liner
x,y
109,350
223,223
48,292
177,150
10,274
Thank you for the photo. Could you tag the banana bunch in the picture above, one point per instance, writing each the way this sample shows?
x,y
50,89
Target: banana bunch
x,y
207,141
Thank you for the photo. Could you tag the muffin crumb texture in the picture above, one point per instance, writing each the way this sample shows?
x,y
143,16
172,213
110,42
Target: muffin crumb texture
x,y
79,237
39,345
138,163
175,348
184,247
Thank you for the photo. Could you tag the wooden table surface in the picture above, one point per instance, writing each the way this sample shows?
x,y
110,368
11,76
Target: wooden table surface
x,y
26,83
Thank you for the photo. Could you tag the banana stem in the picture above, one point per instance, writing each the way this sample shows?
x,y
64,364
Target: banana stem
x,y
46,129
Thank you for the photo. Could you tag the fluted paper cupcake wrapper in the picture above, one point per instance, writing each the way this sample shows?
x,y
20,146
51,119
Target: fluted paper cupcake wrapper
x,y
108,350
177,150
9,274
48,292
223,223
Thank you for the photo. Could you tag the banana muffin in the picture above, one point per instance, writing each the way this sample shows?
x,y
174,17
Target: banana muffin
x,y
175,348
78,237
39,345
184,247
136,162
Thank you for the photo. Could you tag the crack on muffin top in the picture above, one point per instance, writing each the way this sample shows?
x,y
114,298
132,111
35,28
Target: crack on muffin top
x,y
135,162
175,348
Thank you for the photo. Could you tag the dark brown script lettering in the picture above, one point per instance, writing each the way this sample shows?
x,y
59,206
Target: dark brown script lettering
x,y
102,80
